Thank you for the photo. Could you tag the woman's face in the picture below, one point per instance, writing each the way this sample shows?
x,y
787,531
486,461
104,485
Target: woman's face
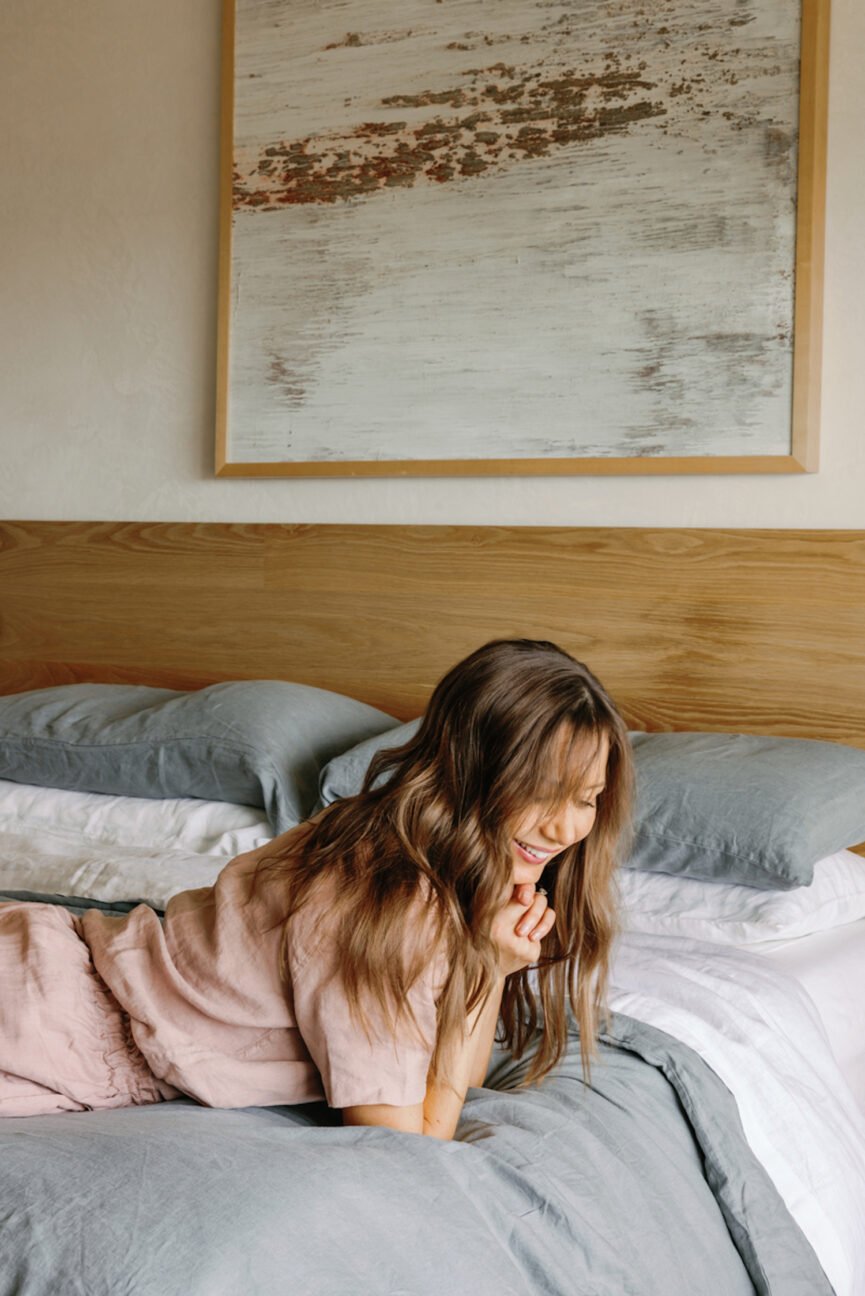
x,y
540,833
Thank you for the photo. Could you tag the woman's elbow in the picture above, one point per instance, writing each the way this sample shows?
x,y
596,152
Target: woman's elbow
x,y
436,1130
407,1120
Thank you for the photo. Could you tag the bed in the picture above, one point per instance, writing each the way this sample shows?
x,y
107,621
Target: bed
x,y
721,1143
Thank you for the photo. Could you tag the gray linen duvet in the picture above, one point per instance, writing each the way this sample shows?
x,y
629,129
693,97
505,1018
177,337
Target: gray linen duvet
x,y
640,1185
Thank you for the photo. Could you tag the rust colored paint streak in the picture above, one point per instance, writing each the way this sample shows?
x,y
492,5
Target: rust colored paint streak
x,y
287,381
356,40
512,115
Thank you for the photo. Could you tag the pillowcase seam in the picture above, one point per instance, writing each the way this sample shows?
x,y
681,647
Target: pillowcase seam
x,y
237,744
661,835
754,923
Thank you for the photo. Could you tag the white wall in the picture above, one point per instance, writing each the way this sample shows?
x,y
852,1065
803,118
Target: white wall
x,y
108,227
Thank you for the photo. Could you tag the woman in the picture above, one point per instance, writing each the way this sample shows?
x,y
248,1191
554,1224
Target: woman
x,y
365,956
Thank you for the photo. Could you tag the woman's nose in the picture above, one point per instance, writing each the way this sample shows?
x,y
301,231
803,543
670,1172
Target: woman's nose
x,y
562,826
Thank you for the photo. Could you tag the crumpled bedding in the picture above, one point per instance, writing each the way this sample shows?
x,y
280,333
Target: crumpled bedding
x,y
762,1035
642,1184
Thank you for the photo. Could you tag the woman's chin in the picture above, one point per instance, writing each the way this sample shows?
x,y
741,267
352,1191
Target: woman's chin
x,y
525,875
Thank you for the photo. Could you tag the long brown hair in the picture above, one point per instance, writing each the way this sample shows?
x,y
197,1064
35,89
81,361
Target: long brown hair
x,y
432,825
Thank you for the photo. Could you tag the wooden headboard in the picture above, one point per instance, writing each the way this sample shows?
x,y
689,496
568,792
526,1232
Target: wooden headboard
x,y
760,631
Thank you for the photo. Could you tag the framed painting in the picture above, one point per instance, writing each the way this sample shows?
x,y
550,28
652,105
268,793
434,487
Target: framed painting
x,y
521,236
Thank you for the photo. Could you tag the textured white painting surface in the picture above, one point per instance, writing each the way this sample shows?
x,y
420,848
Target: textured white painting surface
x,y
512,229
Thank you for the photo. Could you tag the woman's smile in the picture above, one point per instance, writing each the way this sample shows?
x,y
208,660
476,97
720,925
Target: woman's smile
x,y
542,833
533,854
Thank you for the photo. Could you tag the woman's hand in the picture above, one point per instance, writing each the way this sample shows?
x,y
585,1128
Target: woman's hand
x,y
519,927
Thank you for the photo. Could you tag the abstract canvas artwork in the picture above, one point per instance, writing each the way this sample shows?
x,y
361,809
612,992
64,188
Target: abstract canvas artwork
x,y
530,236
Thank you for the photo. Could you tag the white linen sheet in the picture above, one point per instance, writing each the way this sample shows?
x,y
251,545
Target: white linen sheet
x,y
816,934
830,967
58,863
112,848
761,1034
727,914
171,823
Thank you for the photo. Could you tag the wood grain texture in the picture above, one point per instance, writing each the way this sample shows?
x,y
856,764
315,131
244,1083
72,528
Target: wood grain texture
x,y
752,631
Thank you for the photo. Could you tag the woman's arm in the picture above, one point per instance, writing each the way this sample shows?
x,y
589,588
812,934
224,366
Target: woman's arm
x,y
439,1113
486,1034
444,1102
518,930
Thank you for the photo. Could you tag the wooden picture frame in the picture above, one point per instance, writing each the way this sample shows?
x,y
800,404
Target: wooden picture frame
x,y
341,354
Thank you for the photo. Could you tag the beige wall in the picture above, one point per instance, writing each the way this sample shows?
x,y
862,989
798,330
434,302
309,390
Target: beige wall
x,y
108,158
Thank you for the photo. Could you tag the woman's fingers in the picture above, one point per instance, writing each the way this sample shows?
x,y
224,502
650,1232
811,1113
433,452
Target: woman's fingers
x,y
532,920
517,930
544,927
524,892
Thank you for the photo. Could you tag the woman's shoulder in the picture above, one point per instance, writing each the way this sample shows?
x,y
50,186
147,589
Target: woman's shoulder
x,y
272,859
332,902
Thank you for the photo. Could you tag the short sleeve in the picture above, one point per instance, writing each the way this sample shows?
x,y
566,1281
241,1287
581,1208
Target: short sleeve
x,y
355,1068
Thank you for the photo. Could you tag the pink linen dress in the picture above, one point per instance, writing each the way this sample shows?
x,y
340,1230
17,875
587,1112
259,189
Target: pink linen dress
x,y
107,1011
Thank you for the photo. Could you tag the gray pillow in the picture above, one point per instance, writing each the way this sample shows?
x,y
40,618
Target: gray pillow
x,y
721,807
344,775
739,808
252,742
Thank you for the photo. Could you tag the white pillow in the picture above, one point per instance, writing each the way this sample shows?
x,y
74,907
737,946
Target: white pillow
x,y
179,823
57,863
738,915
